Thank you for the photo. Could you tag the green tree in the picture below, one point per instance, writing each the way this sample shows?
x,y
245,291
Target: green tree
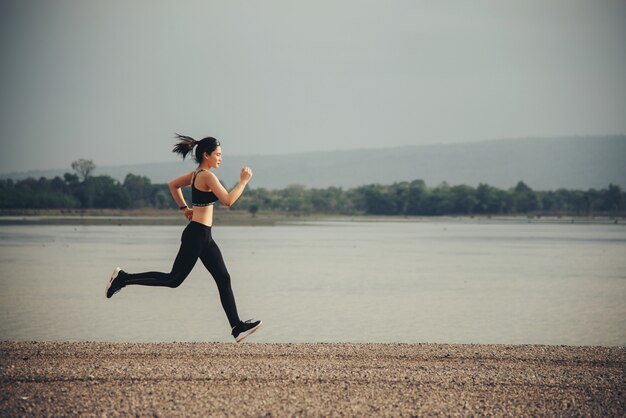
x,y
295,199
83,167
374,199
464,199
161,198
525,200
102,192
416,197
579,202
139,190
253,209
612,198
489,200
398,194
70,179
552,202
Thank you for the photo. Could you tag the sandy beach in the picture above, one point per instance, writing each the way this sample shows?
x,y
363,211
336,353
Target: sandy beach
x,y
219,379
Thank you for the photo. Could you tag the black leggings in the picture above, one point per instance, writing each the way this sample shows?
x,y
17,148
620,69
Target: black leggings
x,y
196,242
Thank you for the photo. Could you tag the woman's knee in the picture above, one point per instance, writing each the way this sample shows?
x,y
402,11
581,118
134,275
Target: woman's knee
x,y
175,280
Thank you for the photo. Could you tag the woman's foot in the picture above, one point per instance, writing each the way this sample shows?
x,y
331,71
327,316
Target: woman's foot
x,y
115,283
244,329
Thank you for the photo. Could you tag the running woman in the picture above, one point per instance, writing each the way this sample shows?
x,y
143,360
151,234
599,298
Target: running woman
x,y
196,241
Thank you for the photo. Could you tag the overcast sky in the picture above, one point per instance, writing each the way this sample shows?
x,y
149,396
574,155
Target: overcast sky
x,y
113,80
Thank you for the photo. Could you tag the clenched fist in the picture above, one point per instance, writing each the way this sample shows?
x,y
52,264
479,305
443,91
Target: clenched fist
x,y
246,174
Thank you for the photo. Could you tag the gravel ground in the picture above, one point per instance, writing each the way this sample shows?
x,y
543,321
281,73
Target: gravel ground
x,y
202,379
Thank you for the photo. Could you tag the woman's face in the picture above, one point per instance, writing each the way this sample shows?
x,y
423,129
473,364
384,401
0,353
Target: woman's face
x,y
215,158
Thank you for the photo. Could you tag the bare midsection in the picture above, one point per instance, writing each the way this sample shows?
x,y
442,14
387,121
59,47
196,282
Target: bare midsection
x,y
203,215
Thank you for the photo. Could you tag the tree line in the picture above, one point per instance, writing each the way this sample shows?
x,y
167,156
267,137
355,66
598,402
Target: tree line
x,y
415,198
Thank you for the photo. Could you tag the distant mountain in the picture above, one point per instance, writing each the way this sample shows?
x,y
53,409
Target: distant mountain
x,y
542,163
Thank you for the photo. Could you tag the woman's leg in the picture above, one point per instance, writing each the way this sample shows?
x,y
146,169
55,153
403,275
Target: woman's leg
x,y
192,242
212,259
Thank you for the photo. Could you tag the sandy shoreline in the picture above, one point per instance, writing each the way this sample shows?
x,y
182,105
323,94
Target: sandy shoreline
x,y
218,379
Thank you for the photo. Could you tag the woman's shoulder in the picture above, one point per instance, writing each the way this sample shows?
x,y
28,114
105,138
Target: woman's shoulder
x,y
205,174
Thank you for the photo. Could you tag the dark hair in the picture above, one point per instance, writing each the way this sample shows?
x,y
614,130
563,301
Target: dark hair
x,y
186,144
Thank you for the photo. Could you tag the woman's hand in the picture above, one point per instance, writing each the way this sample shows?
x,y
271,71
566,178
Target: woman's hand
x,y
188,213
246,174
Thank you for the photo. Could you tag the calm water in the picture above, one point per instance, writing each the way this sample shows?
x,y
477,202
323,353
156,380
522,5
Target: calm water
x,y
444,282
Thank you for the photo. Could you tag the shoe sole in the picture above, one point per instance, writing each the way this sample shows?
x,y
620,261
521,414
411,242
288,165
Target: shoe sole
x,y
108,286
251,331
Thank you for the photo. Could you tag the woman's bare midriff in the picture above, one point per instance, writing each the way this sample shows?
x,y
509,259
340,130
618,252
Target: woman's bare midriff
x,y
203,215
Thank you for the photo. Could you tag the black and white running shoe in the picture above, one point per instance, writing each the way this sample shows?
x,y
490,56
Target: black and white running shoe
x,y
244,329
115,283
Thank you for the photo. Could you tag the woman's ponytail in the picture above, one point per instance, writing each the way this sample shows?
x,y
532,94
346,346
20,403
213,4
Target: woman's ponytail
x,y
185,145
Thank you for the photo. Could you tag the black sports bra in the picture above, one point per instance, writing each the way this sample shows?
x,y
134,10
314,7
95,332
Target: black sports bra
x,y
198,197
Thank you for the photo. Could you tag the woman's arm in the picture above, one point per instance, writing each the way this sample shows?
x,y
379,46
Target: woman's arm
x,y
176,186
228,198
